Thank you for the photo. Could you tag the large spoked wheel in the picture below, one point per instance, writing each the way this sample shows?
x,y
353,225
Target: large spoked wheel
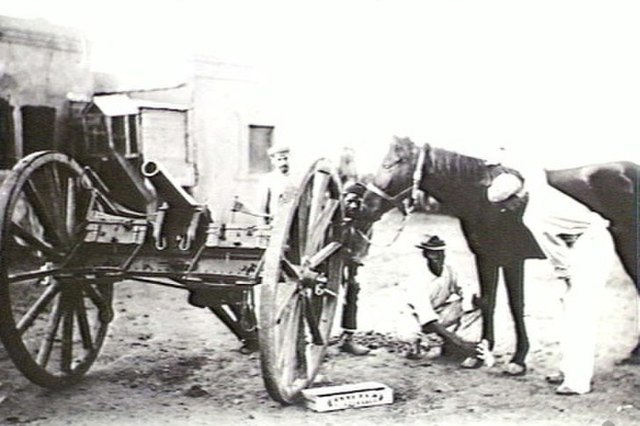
x,y
301,281
52,323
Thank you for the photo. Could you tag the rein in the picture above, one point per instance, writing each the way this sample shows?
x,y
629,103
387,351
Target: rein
x,y
397,202
417,175
393,240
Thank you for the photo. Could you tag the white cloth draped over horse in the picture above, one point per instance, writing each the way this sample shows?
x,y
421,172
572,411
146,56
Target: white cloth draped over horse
x,y
578,244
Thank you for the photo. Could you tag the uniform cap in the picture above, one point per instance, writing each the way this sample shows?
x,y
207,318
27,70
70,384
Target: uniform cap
x,y
355,188
278,149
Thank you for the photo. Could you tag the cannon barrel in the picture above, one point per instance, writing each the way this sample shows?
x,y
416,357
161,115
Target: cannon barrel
x,y
166,188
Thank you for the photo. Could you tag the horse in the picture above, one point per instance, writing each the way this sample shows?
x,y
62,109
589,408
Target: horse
x,y
495,233
610,189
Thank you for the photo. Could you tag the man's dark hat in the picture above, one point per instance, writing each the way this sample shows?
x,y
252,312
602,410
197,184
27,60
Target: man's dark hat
x,y
431,243
355,188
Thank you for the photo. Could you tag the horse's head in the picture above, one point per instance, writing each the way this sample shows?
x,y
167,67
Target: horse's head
x,y
393,180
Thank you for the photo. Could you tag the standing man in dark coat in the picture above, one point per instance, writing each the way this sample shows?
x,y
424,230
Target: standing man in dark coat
x,y
357,246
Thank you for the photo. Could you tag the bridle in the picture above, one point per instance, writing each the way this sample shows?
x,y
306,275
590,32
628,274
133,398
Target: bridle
x,y
412,190
396,200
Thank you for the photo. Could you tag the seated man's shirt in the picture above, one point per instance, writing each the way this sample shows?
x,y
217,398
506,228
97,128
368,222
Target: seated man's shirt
x,y
428,295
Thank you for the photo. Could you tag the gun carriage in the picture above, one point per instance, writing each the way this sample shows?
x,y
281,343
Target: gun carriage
x,y
69,232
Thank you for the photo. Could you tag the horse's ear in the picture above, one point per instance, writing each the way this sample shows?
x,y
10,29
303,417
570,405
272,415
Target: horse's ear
x,y
403,140
409,148
367,178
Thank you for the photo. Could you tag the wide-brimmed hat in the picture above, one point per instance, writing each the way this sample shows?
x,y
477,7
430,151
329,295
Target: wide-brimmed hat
x,y
431,242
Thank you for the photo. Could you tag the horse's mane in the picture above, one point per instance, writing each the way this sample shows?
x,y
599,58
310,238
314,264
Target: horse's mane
x,y
443,162
454,165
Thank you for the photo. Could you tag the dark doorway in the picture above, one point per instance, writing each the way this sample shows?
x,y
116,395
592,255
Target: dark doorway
x,y
7,135
38,126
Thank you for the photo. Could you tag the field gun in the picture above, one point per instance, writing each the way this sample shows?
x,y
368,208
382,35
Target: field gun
x,y
65,241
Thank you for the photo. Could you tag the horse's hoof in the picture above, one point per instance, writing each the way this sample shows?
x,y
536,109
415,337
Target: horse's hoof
x,y
485,354
515,369
630,360
555,379
566,390
471,362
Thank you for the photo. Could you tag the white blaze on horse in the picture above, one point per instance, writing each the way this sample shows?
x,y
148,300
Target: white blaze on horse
x,y
495,232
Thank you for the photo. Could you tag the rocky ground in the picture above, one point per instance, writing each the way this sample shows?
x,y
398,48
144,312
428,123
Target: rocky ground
x,y
166,362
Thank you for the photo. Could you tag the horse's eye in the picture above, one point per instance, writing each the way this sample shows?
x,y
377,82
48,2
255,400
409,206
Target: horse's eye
x,y
391,164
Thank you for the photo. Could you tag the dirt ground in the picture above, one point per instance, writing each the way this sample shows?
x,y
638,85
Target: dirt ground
x,y
166,362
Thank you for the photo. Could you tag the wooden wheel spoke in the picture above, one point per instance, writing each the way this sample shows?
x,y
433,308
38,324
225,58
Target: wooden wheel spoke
x,y
313,321
56,182
83,325
289,336
95,296
43,210
323,254
320,225
302,224
78,202
57,197
32,275
66,349
318,188
70,206
57,187
50,333
292,271
287,297
37,308
35,242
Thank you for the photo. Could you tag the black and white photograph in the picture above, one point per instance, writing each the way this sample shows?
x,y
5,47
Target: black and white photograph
x,y
303,212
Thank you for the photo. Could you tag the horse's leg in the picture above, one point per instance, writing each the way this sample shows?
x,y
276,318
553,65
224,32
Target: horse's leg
x,y
514,279
488,278
634,356
627,249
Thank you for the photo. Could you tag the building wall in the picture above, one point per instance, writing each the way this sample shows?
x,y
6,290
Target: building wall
x,y
226,100
40,64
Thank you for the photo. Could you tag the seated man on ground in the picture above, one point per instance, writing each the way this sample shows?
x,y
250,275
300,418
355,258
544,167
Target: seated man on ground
x,y
439,307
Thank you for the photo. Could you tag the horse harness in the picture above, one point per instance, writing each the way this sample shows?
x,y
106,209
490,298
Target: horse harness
x,y
396,200
412,190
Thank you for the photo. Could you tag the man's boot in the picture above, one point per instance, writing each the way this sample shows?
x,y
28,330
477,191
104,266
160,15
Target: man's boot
x,y
348,345
249,346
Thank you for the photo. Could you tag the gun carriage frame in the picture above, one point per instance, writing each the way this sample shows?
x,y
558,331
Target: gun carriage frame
x,y
65,240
